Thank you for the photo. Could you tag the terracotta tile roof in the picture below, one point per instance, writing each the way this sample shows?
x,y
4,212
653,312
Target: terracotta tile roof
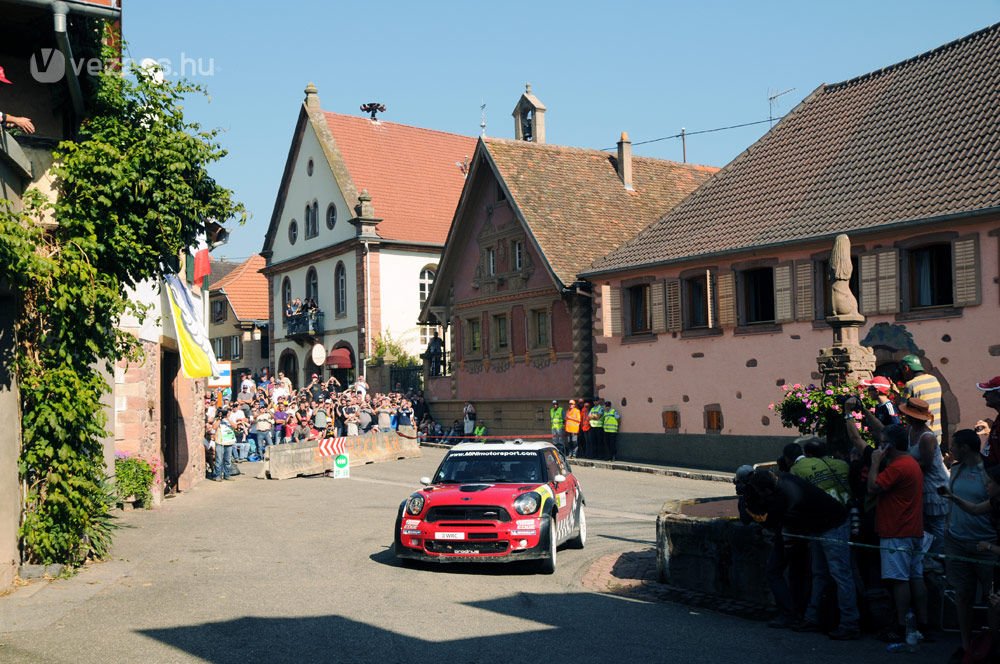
x,y
246,289
576,205
412,174
913,141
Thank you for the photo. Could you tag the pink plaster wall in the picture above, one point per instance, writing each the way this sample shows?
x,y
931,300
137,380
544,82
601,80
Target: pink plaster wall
x,y
670,373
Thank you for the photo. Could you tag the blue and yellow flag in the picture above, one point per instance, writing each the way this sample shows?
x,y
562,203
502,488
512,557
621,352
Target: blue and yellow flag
x,y
197,358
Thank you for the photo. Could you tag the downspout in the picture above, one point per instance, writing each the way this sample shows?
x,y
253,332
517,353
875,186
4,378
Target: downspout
x,y
59,11
368,308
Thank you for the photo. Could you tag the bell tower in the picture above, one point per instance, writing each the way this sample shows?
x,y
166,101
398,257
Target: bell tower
x,y
529,117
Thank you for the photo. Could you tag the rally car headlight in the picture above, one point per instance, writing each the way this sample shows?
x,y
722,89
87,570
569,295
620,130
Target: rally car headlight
x,y
415,505
527,503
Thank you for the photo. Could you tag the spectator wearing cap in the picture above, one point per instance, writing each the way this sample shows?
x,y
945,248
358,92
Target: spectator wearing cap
x,y
923,446
7,120
922,385
557,418
879,389
991,395
899,519
573,419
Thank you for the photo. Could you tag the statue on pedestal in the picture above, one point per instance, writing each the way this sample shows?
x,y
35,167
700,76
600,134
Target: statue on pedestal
x,y
846,360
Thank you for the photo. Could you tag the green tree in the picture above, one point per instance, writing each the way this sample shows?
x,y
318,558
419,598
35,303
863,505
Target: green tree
x,y
387,349
133,192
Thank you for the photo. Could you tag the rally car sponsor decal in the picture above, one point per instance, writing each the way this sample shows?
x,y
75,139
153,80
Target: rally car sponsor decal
x,y
467,552
520,533
411,532
412,523
526,523
449,536
491,453
561,499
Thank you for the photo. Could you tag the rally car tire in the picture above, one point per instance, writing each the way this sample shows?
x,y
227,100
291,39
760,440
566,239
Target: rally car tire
x,y
397,542
580,540
548,565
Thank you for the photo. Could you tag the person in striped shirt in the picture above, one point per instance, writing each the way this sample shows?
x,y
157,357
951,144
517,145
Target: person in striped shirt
x,y
922,385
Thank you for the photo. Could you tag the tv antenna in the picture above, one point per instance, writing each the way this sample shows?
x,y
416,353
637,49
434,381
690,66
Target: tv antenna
x,y
482,120
771,98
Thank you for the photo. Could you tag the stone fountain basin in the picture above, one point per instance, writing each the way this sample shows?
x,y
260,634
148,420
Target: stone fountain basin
x,y
702,546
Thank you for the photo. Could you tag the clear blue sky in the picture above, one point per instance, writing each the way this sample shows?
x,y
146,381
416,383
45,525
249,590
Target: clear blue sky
x,y
648,68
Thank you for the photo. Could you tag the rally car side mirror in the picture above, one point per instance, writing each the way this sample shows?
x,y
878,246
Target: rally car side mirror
x,y
425,481
559,479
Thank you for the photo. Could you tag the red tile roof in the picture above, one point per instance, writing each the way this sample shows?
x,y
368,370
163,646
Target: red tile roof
x,y
575,204
413,175
910,142
246,289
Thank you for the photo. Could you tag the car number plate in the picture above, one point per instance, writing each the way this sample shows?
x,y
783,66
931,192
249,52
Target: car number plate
x,y
449,536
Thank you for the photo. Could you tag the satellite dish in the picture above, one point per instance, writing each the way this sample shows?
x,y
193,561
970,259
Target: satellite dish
x,y
318,355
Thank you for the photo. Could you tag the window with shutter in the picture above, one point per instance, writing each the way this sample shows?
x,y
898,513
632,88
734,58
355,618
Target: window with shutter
x,y
673,304
888,281
697,309
658,307
784,310
804,300
868,265
727,298
611,310
638,309
756,296
965,264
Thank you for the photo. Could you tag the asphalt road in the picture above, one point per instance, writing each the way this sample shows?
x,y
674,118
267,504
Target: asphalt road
x,y
301,571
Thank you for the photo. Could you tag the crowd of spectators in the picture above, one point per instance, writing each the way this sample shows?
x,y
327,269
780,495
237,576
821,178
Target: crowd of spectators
x,y
266,412
863,526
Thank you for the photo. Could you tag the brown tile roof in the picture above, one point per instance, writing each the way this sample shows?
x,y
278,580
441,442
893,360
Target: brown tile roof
x,y
913,141
412,174
246,289
576,205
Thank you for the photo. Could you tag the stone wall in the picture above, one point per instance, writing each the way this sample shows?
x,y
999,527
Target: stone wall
x,y
137,411
514,418
704,451
10,447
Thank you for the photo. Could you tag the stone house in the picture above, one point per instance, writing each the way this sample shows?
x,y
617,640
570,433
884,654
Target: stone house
x,y
238,318
531,217
901,160
358,226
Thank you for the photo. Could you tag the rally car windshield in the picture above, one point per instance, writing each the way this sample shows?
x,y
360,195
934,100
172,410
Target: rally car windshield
x,y
492,466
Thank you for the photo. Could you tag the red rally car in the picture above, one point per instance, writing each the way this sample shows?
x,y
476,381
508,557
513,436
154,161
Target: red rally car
x,y
494,502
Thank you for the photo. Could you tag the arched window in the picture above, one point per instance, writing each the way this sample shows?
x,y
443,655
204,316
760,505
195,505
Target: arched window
x,y
293,231
331,216
312,219
286,294
340,279
424,285
312,285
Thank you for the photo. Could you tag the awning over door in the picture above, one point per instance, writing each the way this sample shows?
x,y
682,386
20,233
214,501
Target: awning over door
x,y
340,358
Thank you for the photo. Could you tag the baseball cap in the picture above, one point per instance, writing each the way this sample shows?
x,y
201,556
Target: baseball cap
x,y
554,401
743,474
990,385
3,77
913,362
880,383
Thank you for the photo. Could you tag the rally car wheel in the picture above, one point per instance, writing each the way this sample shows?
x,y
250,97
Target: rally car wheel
x,y
548,565
397,542
580,540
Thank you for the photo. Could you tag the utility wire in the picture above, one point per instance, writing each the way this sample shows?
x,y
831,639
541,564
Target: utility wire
x,y
695,133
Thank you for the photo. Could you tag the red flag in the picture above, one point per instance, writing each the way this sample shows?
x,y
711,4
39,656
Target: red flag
x,y
202,266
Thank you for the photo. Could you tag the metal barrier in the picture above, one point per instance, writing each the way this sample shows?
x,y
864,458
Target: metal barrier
x,y
290,460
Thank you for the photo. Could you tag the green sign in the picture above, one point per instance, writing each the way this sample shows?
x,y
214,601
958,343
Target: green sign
x,y
341,466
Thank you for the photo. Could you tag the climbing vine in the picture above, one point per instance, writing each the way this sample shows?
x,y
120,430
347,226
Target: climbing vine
x,y
132,193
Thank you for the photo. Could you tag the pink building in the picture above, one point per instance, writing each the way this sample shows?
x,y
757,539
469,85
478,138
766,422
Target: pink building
x,y
701,318
531,217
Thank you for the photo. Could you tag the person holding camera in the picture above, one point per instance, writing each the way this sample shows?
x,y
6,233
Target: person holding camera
x,y
225,440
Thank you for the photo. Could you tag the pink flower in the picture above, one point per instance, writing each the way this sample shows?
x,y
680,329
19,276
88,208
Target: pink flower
x,y
770,406
797,386
829,392
802,420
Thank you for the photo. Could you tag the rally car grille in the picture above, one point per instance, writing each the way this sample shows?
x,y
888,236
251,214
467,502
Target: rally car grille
x,y
462,514
458,548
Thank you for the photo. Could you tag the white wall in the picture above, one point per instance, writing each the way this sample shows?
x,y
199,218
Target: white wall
x,y
157,322
303,188
400,294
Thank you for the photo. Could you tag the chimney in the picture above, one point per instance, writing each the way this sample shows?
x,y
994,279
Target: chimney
x,y
625,161
312,97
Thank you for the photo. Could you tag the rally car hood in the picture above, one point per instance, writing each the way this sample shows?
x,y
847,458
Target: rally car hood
x,y
477,493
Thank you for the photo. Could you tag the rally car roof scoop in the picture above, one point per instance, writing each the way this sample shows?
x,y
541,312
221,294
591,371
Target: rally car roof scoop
x,y
469,488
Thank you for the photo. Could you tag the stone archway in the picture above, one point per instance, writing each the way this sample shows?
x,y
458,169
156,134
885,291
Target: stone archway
x,y
891,342
288,364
